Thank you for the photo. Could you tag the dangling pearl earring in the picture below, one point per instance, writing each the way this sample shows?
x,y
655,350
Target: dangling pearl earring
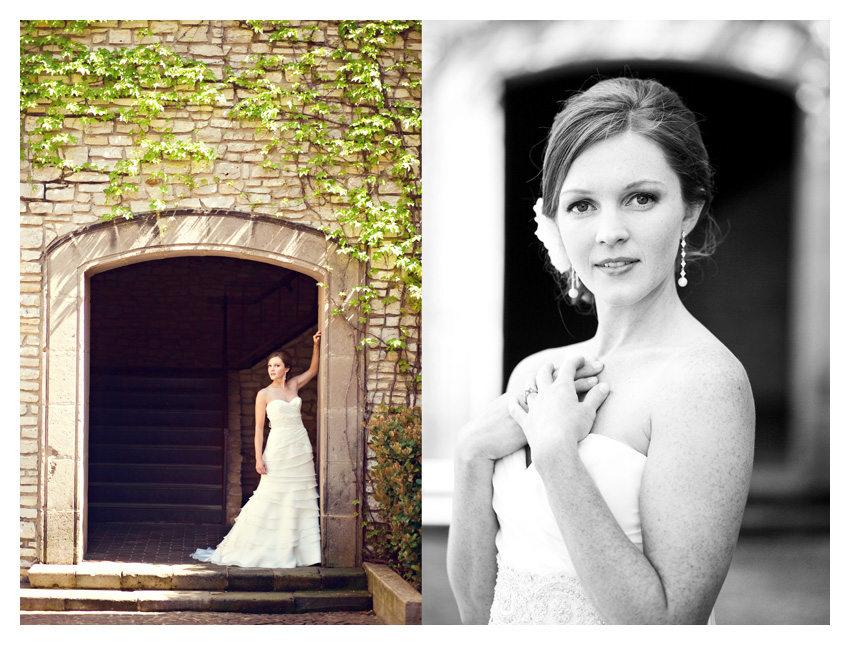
x,y
573,292
683,281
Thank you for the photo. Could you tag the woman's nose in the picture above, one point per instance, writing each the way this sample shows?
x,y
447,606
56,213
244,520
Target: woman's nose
x,y
611,227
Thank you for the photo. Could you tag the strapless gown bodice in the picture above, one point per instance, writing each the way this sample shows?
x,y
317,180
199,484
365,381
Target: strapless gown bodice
x,y
536,579
285,426
284,415
279,525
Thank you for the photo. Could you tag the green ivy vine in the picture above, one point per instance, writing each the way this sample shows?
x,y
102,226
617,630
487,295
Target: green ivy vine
x,y
70,86
341,114
346,157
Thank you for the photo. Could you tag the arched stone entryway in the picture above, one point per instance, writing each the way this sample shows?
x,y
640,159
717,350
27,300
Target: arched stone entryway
x,y
178,350
72,260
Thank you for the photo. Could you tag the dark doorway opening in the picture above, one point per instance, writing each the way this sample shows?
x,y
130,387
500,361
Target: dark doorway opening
x,y
166,339
741,295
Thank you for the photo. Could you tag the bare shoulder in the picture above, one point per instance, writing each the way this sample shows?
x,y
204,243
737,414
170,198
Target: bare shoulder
x,y
706,389
261,395
531,364
713,370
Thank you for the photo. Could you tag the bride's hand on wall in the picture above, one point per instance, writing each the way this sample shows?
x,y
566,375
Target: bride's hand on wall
x,y
553,415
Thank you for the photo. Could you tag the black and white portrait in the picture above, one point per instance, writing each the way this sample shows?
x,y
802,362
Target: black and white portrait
x,y
759,95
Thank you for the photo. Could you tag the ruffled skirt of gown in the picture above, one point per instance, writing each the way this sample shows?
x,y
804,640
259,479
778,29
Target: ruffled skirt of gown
x,y
279,525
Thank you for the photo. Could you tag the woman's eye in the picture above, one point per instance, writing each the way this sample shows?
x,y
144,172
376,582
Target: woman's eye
x,y
578,207
643,199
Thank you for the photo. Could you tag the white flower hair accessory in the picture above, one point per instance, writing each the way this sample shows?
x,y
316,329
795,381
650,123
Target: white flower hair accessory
x,y
548,233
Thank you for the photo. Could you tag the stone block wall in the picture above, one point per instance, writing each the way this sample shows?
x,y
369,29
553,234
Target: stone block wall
x,y
30,379
55,204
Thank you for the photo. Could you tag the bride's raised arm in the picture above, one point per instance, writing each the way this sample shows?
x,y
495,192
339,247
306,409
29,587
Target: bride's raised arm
x,y
302,379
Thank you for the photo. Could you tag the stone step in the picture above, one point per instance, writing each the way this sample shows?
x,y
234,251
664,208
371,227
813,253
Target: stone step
x,y
127,434
118,472
269,602
131,576
173,513
152,417
198,381
175,456
172,399
150,493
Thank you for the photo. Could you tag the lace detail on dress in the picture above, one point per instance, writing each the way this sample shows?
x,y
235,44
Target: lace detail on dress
x,y
523,598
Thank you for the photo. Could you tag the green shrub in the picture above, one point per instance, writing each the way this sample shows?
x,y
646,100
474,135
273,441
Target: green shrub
x,y
395,438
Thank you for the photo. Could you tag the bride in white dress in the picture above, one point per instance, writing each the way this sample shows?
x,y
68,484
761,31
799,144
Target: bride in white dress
x,y
279,526
608,484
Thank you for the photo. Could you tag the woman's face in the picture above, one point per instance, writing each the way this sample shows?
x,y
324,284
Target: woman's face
x,y
621,217
276,368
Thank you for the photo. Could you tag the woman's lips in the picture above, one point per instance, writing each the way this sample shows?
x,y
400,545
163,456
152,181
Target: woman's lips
x,y
616,266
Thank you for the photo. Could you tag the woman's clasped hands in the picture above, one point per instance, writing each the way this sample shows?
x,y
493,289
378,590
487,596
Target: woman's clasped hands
x,y
507,425
557,408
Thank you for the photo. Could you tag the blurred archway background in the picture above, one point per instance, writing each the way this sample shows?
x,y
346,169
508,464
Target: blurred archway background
x,y
761,89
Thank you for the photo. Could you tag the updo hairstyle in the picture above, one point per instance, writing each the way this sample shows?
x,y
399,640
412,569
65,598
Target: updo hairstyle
x,y
283,356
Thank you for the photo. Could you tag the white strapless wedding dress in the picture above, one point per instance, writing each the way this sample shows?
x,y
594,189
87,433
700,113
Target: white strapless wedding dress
x,y
279,526
536,583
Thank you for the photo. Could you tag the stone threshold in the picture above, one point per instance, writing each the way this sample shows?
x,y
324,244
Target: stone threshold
x,y
185,600
118,586
192,577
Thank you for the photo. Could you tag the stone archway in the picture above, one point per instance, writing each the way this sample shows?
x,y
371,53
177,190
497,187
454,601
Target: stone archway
x,y
69,263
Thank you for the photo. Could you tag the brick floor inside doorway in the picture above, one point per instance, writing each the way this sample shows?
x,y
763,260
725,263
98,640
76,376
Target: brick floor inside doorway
x,y
152,543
